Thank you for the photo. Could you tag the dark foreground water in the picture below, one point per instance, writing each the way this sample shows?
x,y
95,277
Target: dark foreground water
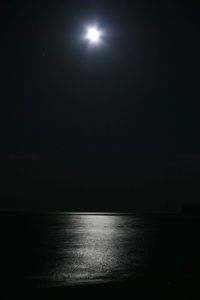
x,y
82,249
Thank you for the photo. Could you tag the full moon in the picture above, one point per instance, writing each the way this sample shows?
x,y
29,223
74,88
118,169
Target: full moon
x,y
93,35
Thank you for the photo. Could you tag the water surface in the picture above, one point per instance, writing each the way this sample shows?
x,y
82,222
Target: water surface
x,y
65,249
92,248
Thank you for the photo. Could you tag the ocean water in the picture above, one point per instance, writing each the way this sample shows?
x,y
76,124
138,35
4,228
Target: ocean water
x,y
92,248
67,249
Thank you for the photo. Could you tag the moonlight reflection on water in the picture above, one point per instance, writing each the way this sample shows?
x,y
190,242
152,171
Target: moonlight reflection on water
x,y
91,248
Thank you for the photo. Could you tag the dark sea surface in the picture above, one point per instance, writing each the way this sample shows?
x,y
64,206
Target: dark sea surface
x,y
65,249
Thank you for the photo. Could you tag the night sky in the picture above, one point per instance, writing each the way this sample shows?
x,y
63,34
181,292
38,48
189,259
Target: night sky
x,y
111,128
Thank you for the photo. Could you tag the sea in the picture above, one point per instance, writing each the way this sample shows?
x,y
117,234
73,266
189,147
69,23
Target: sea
x,y
73,249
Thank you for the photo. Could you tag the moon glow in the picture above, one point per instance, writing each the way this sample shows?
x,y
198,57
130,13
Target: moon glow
x,y
93,35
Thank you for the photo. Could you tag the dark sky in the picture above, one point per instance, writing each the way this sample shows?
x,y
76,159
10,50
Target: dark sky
x,y
111,128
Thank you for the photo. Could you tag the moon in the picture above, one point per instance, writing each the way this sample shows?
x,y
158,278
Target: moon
x,y
93,35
